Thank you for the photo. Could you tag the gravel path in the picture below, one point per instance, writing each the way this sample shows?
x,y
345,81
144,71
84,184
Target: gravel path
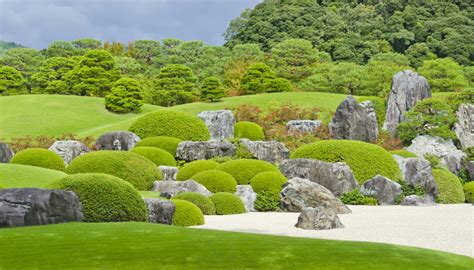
x,y
442,227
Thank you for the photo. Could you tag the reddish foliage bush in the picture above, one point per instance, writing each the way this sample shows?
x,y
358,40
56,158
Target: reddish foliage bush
x,y
44,141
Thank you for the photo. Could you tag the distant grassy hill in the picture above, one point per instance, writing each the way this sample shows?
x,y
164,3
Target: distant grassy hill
x,y
20,176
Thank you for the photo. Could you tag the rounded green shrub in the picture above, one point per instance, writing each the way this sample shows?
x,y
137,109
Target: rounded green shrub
x,y
159,156
249,130
181,125
403,153
104,198
2,186
216,181
468,192
194,167
187,214
131,167
166,143
268,181
227,203
449,187
39,157
366,160
243,170
201,201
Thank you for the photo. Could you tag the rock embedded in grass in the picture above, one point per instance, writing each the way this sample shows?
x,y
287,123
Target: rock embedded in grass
x,y
160,211
383,189
6,153
117,140
220,123
269,151
303,126
318,218
190,151
171,188
169,172
69,150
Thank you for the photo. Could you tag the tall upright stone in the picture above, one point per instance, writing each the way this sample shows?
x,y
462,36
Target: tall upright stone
x,y
219,123
464,128
6,153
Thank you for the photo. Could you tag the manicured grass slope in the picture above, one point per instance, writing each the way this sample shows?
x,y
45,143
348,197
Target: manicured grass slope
x,y
18,176
152,246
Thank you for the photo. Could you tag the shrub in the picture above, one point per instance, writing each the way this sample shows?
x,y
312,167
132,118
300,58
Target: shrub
x,y
354,197
194,167
40,158
159,156
449,186
126,96
2,186
249,130
181,125
187,214
468,192
227,203
216,181
379,106
166,143
243,170
212,89
403,153
407,190
268,181
201,201
259,78
366,160
266,201
131,167
104,198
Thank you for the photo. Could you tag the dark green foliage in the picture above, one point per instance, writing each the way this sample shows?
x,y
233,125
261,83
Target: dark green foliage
x,y
266,201
216,181
159,156
469,192
444,75
449,187
212,89
366,160
243,170
249,130
403,153
458,98
166,143
25,60
201,201
408,190
268,181
11,81
175,84
5,46
354,197
379,106
194,167
126,96
131,167
470,153
187,214
259,78
51,76
104,198
181,125
40,158
434,161
227,203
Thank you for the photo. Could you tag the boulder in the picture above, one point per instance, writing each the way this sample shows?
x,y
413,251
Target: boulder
x,y
248,196
6,153
449,155
69,150
337,177
470,169
371,114
303,126
270,151
35,206
299,193
169,189
169,172
117,140
407,89
318,218
189,150
414,200
417,172
464,128
160,211
219,123
352,122
381,188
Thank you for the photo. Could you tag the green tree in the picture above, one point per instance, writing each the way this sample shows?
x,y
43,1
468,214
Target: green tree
x,y
212,89
176,84
61,48
444,75
243,55
147,51
50,78
126,96
27,61
417,53
11,81
128,66
259,78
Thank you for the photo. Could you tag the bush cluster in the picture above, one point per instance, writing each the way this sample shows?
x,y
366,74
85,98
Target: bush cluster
x,y
449,187
166,143
201,201
249,130
243,170
268,181
187,214
469,192
40,158
227,203
216,181
266,201
194,167
354,197
126,96
159,156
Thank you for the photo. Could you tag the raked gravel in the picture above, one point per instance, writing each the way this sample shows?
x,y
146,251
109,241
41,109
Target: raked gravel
x,y
442,227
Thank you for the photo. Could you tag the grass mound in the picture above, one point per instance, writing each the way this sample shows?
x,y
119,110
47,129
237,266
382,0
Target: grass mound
x,y
243,170
403,153
449,186
201,201
20,176
249,130
40,158
158,156
216,181
194,167
227,203
169,144
187,214
268,181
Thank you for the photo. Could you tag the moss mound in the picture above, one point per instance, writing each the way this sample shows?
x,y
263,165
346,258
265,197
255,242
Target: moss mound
x,y
159,156
166,143
469,192
243,170
216,181
104,198
131,167
181,125
187,214
249,130
268,181
194,167
403,153
39,157
201,201
227,203
366,160
449,186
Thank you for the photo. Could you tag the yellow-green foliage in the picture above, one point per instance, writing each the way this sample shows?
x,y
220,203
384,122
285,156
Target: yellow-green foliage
x,y
187,214
159,156
243,170
469,191
268,181
194,167
40,158
216,181
227,203
169,144
1,186
449,186
403,153
249,130
201,201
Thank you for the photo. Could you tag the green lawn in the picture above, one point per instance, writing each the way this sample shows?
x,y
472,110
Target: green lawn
x,y
18,176
152,246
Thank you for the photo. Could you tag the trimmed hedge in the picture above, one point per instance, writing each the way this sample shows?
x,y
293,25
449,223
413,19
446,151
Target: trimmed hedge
x,y
39,157
194,167
187,214
366,160
104,198
249,130
449,186
201,201
166,143
227,203
268,181
468,192
131,167
181,125
159,156
216,181
243,170
403,153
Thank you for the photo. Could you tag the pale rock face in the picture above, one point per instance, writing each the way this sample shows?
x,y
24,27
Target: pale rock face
x,y
417,172
69,150
219,123
190,150
117,140
381,188
303,126
414,200
6,153
248,196
172,188
169,172
464,128
318,218
160,211
270,151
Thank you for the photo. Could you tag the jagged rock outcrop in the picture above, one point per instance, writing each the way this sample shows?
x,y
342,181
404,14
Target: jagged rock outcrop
x,y
219,123
318,218
383,189
303,126
169,172
248,196
464,128
270,151
160,211
117,140
170,189
417,172
69,150
6,153
189,150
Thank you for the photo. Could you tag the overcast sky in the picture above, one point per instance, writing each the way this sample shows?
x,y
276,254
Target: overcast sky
x,y
35,23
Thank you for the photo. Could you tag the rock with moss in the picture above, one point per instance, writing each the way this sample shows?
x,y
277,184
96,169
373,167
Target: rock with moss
x,y
383,189
464,128
160,211
303,126
69,150
318,218
6,153
169,172
190,151
248,197
170,189
220,123
117,140
417,172
270,151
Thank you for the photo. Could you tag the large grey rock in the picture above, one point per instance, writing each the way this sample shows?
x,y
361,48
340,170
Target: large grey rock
x,y
69,150
169,172
160,211
470,169
414,200
171,188
449,155
417,172
35,206
353,121
299,193
464,128
117,140
248,196
6,153
318,218
407,89
337,177
219,123
381,188
190,151
371,114
270,151
303,126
